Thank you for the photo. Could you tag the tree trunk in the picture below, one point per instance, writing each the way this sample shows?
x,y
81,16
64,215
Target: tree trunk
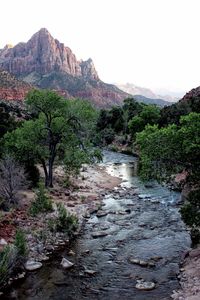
x,y
50,183
45,173
51,162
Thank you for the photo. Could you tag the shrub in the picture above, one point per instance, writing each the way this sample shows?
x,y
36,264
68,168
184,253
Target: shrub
x,y
42,202
65,221
20,243
33,174
12,180
7,261
190,212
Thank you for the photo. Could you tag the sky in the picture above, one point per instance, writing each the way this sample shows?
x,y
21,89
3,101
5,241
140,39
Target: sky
x,y
151,43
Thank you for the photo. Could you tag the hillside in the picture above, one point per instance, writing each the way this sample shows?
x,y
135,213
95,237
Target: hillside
x,y
11,88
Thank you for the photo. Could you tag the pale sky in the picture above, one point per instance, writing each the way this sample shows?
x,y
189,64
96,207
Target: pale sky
x,y
151,43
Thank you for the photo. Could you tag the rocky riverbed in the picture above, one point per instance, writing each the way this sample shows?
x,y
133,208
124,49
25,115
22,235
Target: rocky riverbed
x,y
130,248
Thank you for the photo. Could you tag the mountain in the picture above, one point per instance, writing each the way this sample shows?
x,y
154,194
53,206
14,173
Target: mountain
x,y
159,102
46,63
11,88
189,103
147,93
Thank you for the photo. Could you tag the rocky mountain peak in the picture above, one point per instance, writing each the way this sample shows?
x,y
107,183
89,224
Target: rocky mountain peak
x,y
43,54
88,69
44,62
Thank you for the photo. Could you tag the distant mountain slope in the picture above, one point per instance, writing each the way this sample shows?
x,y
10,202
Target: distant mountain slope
x,y
159,102
189,103
147,93
46,63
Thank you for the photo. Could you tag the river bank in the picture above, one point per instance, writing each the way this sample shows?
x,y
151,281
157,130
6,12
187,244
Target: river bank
x,y
82,198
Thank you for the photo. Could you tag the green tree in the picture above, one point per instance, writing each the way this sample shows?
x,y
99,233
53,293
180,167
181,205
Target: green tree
x,y
57,124
150,114
171,149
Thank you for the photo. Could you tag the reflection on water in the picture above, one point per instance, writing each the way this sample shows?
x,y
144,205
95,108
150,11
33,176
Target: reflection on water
x,y
125,167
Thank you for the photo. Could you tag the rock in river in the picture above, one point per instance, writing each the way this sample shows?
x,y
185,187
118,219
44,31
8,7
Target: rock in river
x,y
145,285
66,264
99,234
32,265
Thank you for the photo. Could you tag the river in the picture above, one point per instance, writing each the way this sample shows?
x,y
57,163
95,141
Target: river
x,y
143,240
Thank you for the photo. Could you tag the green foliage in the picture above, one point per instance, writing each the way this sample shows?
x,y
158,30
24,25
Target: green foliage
x,y
7,260
172,114
190,211
172,149
20,243
42,202
65,221
150,114
58,126
7,122
130,118
32,173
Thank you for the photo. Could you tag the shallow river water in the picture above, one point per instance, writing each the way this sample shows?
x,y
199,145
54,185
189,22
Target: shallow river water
x,y
142,223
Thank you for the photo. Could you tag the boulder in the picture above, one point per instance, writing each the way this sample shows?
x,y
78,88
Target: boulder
x,y
32,265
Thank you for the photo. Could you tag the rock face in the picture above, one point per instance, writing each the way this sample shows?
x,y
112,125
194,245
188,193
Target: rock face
x,y
46,63
192,94
42,54
11,88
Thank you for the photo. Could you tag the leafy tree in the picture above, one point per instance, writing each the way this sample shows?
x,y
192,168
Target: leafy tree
x,y
131,108
150,114
171,149
58,123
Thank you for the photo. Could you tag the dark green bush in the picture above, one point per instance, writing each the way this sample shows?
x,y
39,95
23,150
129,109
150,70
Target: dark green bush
x,y
65,221
190,211
33,174
42,202
7,262
20,243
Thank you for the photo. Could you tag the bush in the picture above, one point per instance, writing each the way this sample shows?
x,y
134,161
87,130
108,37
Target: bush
x,y
33,174
65,221
12,180
190,212
7,261
20,243
42,202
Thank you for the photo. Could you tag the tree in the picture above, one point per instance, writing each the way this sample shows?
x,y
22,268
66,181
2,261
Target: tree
x,y
57,124
171,149
150,114
131,108
12,179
